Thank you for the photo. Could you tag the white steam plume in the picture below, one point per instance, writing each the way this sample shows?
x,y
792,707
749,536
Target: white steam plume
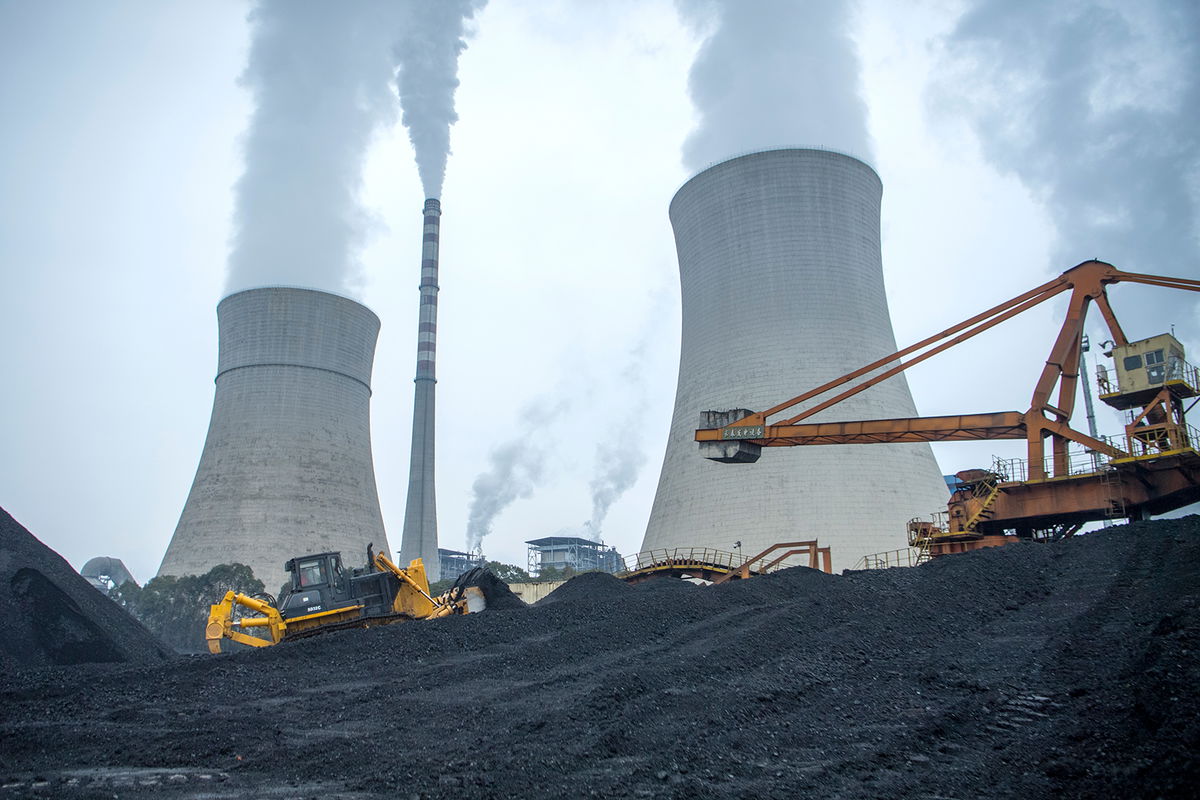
x,y
320,76
619,461
772,73
428,59
515,468
618,464
1095,106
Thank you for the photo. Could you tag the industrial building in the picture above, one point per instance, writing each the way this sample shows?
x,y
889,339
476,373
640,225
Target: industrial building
x,y
452,563
782,290
286,467
575,552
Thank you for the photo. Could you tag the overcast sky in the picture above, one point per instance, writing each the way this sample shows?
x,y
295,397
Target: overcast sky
x,y
1013,142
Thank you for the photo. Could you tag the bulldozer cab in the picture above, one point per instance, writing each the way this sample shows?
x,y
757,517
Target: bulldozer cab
x,y
312,571
318,583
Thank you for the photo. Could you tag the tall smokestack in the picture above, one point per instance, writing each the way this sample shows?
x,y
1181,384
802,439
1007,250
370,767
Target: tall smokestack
x,y
286,468
420,513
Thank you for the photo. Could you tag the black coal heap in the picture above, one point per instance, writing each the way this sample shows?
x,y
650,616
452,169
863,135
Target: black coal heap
x,y
51,616
1039,670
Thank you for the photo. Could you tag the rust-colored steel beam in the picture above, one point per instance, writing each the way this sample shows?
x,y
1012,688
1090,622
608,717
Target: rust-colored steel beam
x,y
896,370
1110,319
1087,281
1187,284
812,546
808,551
818,558
962,428
1027,300
1066,432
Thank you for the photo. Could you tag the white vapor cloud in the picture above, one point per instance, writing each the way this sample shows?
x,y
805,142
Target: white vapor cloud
x,y
320,75
773,73
1094,105
324,78
515,468
619,460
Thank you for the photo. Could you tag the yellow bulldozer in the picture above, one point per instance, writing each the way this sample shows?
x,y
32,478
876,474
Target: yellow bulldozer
x,y
324,596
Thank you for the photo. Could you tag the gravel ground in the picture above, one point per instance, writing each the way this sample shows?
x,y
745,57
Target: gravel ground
x,y
1058,670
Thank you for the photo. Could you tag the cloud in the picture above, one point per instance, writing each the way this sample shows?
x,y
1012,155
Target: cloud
x,y
1094,105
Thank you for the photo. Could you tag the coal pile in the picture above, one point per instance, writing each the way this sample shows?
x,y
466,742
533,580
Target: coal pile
x,y
50,615
1029,671
499,597
590,587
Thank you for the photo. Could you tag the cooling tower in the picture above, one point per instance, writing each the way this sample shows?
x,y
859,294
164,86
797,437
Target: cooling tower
x,y
420,512
782,288
286,468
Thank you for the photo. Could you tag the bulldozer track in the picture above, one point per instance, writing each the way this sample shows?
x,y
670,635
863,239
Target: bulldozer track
x,y
361,622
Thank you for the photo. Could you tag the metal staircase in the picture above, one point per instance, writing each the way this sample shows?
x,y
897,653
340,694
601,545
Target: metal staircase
x,y
991,488
923,550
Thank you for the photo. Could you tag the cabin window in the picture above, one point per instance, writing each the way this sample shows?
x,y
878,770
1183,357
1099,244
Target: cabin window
x,y
311,573
1155,369
1132,363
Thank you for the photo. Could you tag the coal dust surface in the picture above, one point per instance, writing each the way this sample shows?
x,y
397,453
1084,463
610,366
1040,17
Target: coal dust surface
x,y
588,588
50,615
1029,671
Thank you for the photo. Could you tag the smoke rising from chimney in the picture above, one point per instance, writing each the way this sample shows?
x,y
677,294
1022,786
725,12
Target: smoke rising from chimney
x,y
1095,107
619,460
428,58
772,73
515,468
618,464
321,77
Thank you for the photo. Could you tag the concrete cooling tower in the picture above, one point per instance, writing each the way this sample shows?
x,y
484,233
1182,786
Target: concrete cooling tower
x,y
782,286
286,468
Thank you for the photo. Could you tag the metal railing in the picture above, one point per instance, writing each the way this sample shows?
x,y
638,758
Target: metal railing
x,y
683,555
1173,369
1154,439
903,557
1079,462
1162,438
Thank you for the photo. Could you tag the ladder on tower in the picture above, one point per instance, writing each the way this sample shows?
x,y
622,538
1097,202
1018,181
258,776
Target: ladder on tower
x,y
923,550
1110,479
991,488
920,538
